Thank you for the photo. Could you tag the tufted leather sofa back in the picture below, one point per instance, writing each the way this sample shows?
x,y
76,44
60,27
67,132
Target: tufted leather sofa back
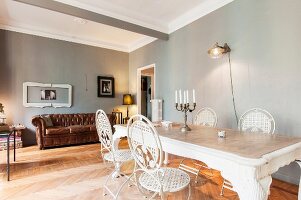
x,y
89,119
77,119
66,119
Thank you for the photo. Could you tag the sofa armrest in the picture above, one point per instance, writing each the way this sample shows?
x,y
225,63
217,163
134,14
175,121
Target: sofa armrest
x,y
40,125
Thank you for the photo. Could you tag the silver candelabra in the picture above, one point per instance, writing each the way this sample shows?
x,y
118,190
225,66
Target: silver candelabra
x,y
185,108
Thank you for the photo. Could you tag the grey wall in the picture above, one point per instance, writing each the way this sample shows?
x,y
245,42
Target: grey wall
x,y
36,59
264,36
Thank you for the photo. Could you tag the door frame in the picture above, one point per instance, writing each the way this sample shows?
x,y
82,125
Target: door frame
x,y
139,84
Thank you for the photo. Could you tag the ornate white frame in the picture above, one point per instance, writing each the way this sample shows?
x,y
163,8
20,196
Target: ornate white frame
x,y
42,105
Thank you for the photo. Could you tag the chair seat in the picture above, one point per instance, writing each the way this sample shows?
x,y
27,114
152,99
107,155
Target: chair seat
x,y
173,180
120,156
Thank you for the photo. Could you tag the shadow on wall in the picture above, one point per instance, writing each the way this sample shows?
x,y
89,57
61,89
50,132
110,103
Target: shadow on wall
x,y
5,74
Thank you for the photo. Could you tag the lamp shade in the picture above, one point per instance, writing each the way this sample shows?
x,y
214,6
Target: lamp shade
x,y
127,99
217,51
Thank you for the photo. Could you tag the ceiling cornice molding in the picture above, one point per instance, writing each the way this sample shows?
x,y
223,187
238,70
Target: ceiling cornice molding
x,y
203,9
140,43
64,37
96,17
152,25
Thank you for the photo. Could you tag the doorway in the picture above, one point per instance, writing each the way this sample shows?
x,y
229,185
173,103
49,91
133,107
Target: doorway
x,y
146,89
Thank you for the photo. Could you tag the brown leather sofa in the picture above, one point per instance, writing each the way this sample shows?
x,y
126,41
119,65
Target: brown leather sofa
x,y
67,129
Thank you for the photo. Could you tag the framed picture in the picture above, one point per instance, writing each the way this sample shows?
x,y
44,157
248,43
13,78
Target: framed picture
x,y
48,94
105,86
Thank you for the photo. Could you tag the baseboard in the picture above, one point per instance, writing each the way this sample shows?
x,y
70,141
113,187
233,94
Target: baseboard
x,y
286,178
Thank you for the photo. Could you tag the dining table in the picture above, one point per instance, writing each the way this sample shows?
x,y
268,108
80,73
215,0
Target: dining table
x,y
247,160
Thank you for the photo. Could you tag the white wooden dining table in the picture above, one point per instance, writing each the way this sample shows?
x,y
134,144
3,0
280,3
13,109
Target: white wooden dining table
x,y
247,160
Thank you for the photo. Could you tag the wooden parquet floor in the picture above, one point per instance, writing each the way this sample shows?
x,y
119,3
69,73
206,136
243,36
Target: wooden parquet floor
x,y
78,173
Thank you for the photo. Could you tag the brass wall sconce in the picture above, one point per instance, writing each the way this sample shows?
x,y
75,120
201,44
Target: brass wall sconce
x,y
217,51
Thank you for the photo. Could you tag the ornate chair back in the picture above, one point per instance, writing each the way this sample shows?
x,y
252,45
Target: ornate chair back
x,y
145,144
206,117
104,131
257,120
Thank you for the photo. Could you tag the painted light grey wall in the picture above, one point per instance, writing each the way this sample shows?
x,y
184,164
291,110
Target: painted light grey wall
x,y
264,36
36,59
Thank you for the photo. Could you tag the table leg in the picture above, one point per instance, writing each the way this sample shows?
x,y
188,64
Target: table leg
x,y
299,193
116,143
252,189
166,161
8,164
14,146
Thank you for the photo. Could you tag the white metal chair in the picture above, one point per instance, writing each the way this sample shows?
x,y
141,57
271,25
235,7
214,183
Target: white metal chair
x,y
253,120
152,179
117,157
257,120
204,117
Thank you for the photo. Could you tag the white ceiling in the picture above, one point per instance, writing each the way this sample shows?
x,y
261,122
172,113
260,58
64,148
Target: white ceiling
x,y
161,15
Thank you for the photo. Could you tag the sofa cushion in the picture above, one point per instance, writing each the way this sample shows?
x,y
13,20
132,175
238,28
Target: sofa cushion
x,y
79,129
92,127
47,119
57,130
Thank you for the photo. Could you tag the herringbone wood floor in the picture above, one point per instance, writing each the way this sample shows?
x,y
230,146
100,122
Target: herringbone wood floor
x,y
78,172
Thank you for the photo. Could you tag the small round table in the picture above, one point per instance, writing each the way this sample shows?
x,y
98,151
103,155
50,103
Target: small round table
x,y
7,134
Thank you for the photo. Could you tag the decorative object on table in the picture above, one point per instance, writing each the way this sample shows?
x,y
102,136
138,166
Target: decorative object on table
x,y
185,107
2,115
47,95
105,86
166,124
18,128
221,134
118,115
157,105
3,125
216,52
127,100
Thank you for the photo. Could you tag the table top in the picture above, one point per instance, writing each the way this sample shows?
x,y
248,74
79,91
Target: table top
x,y
248,145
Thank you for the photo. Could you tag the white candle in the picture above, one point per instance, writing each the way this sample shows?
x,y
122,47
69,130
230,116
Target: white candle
x,y
184,97
187,96
193,95
176,97
180,95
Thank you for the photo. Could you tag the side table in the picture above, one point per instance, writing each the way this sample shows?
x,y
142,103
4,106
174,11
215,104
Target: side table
x,y
7,134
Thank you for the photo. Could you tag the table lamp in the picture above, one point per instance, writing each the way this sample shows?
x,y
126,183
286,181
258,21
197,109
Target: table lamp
x,y
127,100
